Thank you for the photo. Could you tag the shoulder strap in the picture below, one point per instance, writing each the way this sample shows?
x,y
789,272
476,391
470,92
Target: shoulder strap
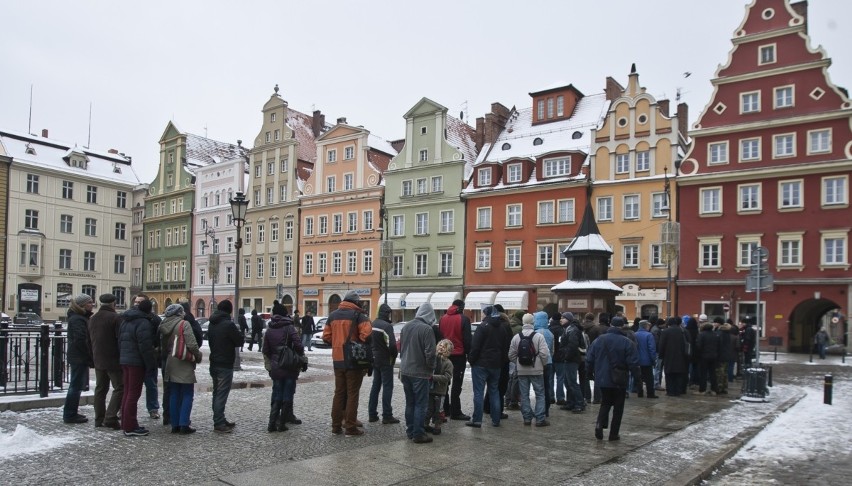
x,y
353,329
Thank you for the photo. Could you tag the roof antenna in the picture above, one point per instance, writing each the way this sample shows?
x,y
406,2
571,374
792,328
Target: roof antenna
x,y
89,141
30,124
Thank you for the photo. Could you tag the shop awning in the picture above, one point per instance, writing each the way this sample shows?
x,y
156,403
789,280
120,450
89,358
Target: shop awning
x,y
414,300
394,300
474,300
513,299
441,301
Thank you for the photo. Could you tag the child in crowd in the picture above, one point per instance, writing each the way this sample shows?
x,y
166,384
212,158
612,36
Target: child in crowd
x,y
440,382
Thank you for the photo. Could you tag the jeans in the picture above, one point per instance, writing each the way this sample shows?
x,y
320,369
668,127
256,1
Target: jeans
x,y
306,341
181,396
537,382
481,376
559,372
103,379
658,373
548,387
151,390
222,379
416,402
459,364
283,390
133,376
611,398
574,399
382,381
821,350
78,381
344,405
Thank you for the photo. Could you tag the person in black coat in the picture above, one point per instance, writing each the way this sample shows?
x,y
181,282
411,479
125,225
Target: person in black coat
x,y
244,329
256,330
278,309
489,350
79,356
224,338
137,357
385,352
308,329
672,350
707,350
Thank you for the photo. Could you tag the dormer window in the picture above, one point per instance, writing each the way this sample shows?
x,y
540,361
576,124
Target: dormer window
x,y
514,173
506,146
484,176
577,135
538,141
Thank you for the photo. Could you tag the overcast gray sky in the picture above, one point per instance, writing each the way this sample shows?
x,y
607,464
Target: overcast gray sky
x,y
211,65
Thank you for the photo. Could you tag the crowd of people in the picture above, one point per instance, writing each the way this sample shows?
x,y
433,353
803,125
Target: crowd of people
x,y
552,360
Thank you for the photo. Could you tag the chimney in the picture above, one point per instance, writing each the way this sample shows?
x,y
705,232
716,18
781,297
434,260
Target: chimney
x,y
341,120
112,151
479,137
44,132
664,107
317,123
613,89
683,119
801,8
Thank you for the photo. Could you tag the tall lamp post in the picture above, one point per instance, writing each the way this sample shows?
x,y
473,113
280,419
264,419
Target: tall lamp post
x,y
213,265
386,251
239,205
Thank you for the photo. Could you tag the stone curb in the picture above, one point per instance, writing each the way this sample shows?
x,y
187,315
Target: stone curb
x,y
702,470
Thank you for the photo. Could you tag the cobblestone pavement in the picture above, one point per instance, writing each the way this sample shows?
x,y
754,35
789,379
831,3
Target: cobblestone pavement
x,y
681,429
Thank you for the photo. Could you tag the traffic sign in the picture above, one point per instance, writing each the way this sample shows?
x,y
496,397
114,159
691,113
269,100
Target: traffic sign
x,y
767,283
402,303
726,307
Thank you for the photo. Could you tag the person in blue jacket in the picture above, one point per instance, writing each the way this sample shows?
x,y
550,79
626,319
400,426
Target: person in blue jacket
x,y
611,351
646,346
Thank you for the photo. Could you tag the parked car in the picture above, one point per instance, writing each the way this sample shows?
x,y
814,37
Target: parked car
x,y
27,319
316,339
204,323
397,333
266,316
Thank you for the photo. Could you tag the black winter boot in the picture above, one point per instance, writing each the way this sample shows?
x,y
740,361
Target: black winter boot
x,y
287,412
274,416
282,417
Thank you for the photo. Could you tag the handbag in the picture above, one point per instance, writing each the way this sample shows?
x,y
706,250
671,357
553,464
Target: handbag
x,y
179,349
288,359
357,354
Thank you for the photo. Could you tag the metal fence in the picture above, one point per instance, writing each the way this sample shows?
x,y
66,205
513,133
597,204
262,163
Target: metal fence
x,y
33,358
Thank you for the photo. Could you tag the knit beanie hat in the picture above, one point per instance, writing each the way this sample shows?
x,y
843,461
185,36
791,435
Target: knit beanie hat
x,y
225,306
174,310
528,319
568,315
459,303
351,296
83,299
444,348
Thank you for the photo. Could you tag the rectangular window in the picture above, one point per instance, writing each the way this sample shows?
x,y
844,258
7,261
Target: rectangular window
x,y
605,208
282,193
257,201
273,266
30,219
348,153
261,233
260,269
91,227
202,276
248,234
545,255
32,183
137,246
336,262
819,141
424,155
273,227
367,261
406,189
546,212
348,182
717,153
484,176
483,258
790,252
711,200
550,107
285,162
421,224
749,197
351,261
121,200
437,184
257,167
270,167
309,264
288,265
565,211
540,110
34,255
790,194
747,246
288,230
92,194
631,206
337,224
66,223
64,293
657,256
118,265
368,220
630,256
483,218
766,54
659,205
514,173
563,260
309,226
784,145
643,160
447,221
270,195
833,249
835,191
332,155
422,188
750,102
783,97
398,267
513,215
65,259
710,257
322,263
557,167
513,257
323,225
622,163
421,264
330,183
398,225
67,190
446,264
352,222
89,261
120,231
749,149
560,105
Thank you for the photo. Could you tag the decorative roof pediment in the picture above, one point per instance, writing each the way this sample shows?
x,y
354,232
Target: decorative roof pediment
x,y
423,107
341,130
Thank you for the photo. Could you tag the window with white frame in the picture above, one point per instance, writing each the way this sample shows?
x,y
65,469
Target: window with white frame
x,y
120,231
398,267
421,264
750,102
336,224
835,190
285,162
746,246
711,200
273,266
749,197
622,163
540,110
248,232
351,261
273,229
422,187
309,226
766,54
563,260
352,222
631,206
557,167
421,224
657,259
749,149
247,267
659,205
398,225
710,254
545,255
270,195
514,173
32,183
261,232
546,212
483,258
790,194
348,153
560,105
717,153
784,145
322,263
790,249
550,107
308,264
834,245
288,265
66,223
260,267
447,221
67,190
330,183
643,160
348,182
437,184
630,256
331,155
783,97
513,215
819,141
270,168
565,211
513,257
446,264
484,176
406,188
483,218
604,208
368,219
322,225
424,155
336,262
258,202
92,228
89,261
367,261
257,169
288,230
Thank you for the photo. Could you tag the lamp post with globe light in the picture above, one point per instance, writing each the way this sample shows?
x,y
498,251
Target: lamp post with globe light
x,y
239,205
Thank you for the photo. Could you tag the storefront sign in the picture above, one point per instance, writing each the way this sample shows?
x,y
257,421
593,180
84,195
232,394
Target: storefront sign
x,y
576,303
310,291
29,295
634,292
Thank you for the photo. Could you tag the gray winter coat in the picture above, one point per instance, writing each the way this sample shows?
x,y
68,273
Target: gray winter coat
x,y
175,370
418,344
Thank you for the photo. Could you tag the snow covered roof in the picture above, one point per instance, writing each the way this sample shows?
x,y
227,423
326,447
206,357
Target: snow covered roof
x,y
26,149
202,151
587,285
461,136
593,242
380,144
302,126
519,138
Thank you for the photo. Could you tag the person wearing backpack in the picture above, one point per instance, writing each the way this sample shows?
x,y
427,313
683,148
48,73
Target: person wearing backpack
x,y
529,351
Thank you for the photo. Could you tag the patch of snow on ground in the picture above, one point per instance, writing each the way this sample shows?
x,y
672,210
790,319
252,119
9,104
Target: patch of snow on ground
x,y
26,441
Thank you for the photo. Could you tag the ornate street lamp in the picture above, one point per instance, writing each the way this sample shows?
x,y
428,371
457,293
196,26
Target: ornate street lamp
x,y
239,205
213,265
386,251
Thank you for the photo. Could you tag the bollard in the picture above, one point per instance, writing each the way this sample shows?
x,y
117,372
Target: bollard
x,y
769,377
774,359
44,352
827,389
811,356
843,358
